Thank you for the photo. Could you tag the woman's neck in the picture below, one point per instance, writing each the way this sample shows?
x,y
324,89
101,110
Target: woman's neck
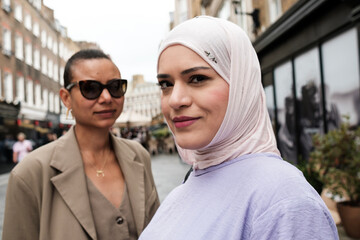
x,y
92,140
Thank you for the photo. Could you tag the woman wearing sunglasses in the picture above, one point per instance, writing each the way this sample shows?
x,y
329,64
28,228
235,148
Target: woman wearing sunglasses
x,y
88,184
214,103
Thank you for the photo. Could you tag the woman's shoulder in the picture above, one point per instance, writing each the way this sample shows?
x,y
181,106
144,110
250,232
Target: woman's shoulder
x,y
134,145
35,163
270,165
131,145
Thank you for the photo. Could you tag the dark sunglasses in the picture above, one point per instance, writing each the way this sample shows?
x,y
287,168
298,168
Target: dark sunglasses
x,y
92,89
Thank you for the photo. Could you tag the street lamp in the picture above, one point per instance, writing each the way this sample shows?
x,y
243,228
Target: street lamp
x,y
254,15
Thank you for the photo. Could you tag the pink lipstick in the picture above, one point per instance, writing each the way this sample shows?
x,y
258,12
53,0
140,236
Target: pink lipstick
x,y
183,121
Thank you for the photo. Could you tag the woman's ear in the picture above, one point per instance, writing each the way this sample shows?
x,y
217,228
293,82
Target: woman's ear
x,y
65,97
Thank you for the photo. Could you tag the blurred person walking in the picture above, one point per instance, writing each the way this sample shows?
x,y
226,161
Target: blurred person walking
x,y
21,148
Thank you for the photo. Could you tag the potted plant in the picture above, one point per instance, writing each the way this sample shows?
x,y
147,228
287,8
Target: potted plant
x,y
336,157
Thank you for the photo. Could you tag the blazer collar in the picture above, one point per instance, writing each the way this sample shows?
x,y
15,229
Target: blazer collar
x,y
134,177
71,180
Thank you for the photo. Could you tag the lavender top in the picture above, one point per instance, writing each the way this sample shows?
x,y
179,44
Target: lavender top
x,y
256,196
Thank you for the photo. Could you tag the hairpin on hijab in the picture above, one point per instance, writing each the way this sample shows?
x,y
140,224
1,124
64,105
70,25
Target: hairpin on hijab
x,y
210,56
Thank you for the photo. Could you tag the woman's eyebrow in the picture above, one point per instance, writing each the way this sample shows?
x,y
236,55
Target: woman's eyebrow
x,y
162,75
187,71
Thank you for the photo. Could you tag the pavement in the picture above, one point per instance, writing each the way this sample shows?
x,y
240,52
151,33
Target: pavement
x,y
168,171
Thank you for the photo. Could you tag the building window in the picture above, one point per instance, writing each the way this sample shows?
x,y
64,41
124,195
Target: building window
x,y
45,99
285,111
49,42
6,41
37,95
55,47
183,10
50,68
30,92
27,21
62,76
37,4
270,101
225,10
308,98
36,29
6,5
37,58
8,86
43,38
28,53
18,12
19,53
57,104
61,50
56,73
275,10
51,102
44,65
20,89
341,78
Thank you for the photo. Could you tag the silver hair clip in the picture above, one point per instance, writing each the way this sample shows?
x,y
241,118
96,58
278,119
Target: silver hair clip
x,y
210,56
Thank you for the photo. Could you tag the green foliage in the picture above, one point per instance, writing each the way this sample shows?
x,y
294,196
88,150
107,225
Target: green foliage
x,y
161,133
336,159
312,176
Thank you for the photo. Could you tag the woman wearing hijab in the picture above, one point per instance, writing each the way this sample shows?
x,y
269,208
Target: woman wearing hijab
x,y
214,103
88,184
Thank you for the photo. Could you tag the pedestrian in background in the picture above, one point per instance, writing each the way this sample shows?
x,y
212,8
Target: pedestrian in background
x,y
21,147
88,184
214,103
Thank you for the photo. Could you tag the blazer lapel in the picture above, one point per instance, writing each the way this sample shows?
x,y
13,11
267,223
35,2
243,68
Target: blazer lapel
x,y
134,177
71,181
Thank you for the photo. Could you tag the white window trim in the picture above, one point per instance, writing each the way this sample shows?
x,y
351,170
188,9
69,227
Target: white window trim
x,y
18,12
6,41
8,86
20,90
30,92
19,51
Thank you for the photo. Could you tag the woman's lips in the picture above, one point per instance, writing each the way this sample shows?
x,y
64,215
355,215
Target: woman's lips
x,y
183,121
106,113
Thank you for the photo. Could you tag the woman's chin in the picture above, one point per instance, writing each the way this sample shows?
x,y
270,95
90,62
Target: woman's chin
x,y
190,145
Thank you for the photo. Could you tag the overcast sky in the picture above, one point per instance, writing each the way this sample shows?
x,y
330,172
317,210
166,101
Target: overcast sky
x,y
129,30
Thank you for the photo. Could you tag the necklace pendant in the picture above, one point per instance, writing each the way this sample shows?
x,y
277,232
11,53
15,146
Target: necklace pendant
x,y
100,173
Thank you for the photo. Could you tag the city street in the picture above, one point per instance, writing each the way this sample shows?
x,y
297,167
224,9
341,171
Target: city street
x,y
168,171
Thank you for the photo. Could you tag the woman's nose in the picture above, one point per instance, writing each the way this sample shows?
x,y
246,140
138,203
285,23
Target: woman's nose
x,y
180,96
105,96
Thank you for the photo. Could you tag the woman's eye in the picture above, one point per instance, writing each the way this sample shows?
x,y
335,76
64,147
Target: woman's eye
x,y
198,78
164,84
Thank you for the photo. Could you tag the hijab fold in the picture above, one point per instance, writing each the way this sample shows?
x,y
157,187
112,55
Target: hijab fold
x,y
246,127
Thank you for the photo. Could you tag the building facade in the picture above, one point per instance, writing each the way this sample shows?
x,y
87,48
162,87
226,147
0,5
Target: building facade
x,y
143,98
309,56
34,49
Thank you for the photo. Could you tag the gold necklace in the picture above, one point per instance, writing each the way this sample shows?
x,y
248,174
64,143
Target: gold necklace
x,y
100,172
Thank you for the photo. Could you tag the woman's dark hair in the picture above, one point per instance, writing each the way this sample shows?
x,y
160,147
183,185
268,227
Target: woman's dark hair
x,y
84,54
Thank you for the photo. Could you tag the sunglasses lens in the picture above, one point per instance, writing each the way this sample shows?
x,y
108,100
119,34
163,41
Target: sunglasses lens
x,y
117,88
90,89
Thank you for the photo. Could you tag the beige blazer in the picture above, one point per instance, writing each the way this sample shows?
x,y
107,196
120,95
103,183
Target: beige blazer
x,y
47,197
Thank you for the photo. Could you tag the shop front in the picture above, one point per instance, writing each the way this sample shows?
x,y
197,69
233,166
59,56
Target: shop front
x,y
8,128
310,71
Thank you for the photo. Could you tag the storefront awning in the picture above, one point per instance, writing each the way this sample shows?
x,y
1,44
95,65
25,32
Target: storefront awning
x,y
9,110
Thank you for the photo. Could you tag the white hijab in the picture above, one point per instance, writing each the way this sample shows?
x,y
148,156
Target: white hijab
x,y
246,127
